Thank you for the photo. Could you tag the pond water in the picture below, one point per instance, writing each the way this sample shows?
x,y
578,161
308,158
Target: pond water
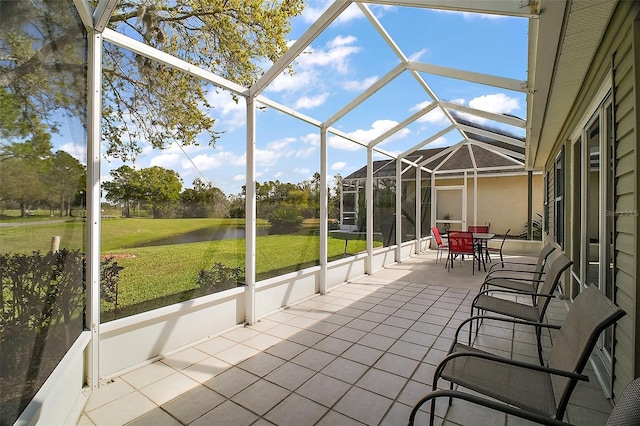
x,y
206,234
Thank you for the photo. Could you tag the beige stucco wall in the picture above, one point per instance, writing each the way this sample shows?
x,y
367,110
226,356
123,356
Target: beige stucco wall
x,y
502,202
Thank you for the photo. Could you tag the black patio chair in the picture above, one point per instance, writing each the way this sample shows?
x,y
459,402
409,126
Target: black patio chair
x,y
488,300
526,390
511,266
522,278
488,249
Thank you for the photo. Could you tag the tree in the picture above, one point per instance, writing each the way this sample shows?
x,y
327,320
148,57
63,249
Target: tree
x,y
44,63
159,187
65,178
123,188
21,182
204,200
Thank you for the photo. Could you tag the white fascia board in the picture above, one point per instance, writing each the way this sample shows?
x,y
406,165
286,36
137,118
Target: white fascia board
x,y
489,134
545,35
428,141
505,153
403,124
102,14
492,7
512,121
289,111
474,77
329,15
396,71
171,61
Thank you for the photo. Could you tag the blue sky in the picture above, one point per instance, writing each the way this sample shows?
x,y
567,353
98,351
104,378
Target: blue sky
x,y
338,65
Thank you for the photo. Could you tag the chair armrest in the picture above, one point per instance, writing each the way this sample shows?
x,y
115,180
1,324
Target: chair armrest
x,y
509,291
507,409
487,280
511,262
503,319
499,359
513,271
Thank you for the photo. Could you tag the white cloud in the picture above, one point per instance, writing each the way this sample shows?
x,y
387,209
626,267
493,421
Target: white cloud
x,y
498,103
289,83
217,160
311,14
239,178
312,139
302,171
313,62
338,142
307,102
281,144
417,55
338,165
306,152
229,113
435,116
358,86
166,160
79,152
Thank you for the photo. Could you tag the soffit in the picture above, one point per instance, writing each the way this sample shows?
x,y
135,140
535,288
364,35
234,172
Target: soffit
x,y
585,24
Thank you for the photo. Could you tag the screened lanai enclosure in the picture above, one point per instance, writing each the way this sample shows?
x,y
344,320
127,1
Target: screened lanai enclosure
x,y
173,169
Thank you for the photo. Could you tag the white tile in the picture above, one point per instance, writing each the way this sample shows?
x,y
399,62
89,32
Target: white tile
x,y
206,369
262,341
166,389
148,374
237,353
240,334
107,392
184,358
122,410
215,345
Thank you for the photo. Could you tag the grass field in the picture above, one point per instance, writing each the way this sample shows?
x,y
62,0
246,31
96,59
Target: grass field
x,y
162,257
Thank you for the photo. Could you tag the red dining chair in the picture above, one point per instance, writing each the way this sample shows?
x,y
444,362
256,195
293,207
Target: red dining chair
x,y
480,229
461,243
441,246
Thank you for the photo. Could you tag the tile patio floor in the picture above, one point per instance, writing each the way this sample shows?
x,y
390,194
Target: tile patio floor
x,y
363,354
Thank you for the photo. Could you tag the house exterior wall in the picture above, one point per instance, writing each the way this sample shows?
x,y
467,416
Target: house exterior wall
x,y
502,201
620,49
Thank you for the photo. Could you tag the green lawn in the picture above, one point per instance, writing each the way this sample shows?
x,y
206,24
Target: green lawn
x,y
157,261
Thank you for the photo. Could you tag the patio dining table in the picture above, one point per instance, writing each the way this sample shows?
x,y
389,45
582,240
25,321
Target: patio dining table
x,y
479,241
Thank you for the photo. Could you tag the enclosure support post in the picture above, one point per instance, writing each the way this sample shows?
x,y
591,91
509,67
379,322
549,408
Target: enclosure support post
x,y
94,104
324,210
250,206
529,205
398,224
369,196
475,197
418,210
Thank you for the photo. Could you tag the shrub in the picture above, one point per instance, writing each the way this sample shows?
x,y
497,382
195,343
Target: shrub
x,y
285,220
220,277
42,302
